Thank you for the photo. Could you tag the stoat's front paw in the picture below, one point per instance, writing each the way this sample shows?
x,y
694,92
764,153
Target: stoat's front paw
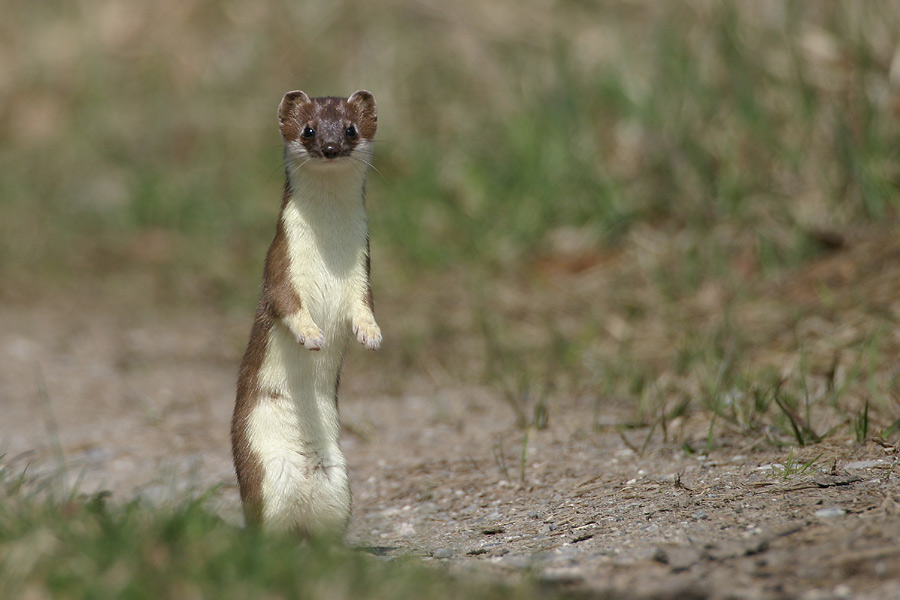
x,y
310,337
313,339
305,331
368,333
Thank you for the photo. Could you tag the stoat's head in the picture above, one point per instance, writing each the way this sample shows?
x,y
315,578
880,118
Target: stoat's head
x,y
327,131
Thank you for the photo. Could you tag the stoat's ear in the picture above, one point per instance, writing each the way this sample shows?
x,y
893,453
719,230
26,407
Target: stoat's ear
x,y
288,111
364,104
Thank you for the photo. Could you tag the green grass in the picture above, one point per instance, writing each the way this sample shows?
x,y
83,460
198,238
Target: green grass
x,y
83,547
793,468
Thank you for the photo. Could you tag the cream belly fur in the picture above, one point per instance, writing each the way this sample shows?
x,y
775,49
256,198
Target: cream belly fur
x,y
295,435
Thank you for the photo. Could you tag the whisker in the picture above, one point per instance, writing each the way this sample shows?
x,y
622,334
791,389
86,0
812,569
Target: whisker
x,y
296,168
356,166
369,164
277,169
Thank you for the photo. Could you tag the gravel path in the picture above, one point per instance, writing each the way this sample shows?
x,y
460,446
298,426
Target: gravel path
x,y
142,408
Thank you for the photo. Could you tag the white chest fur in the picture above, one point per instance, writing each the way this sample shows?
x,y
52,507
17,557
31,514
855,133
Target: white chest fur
x,y
327,250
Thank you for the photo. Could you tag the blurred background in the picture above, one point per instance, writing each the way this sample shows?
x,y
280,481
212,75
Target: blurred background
x,y
689,206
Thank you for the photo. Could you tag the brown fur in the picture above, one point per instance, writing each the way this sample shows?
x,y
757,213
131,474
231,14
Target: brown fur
x,y
329,117
277,300
248,467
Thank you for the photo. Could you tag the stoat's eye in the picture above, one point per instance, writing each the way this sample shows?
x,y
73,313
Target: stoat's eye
x,y
308,132
351,132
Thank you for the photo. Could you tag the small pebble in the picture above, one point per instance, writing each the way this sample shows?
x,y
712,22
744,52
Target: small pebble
x,y
843,591
830,513
700,514
442,553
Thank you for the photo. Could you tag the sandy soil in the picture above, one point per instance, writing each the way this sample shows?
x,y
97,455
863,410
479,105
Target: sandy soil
x,y
140,405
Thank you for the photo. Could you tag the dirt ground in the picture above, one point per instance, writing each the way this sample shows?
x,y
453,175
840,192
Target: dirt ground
x,y
140,405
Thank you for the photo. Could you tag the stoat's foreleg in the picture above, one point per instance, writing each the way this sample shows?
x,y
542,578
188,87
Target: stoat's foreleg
x,y
363,321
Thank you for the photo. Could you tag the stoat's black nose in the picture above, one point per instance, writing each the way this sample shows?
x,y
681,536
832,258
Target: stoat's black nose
x,y
330,150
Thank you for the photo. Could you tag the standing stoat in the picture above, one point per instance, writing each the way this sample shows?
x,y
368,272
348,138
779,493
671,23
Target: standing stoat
x,y
315,294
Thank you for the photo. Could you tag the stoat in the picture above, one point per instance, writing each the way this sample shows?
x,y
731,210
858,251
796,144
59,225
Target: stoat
x,y
315,295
